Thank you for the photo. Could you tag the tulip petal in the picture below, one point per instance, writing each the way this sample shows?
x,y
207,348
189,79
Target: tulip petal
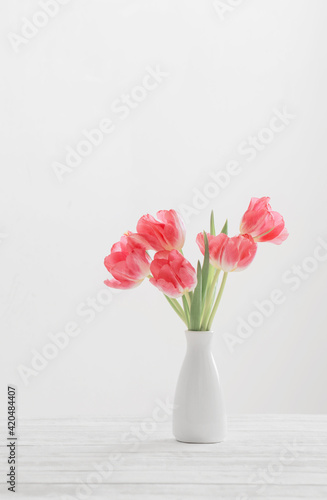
x,y
128,263
166,233
229,254
122,285
166,287
262,223
172,273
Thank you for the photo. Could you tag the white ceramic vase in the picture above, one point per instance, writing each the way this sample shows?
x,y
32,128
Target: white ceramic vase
x,y
199,414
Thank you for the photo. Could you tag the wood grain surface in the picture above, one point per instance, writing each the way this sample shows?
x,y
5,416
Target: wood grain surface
x,y
265,456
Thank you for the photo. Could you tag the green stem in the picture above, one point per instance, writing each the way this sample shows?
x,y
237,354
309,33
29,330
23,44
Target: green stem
x,y
208,300
186,310
215,307
177,308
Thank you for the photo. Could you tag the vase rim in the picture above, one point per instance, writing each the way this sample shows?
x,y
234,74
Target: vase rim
x,y
198,331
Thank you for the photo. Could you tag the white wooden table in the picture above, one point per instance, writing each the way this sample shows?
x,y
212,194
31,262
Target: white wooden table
x,y
265,456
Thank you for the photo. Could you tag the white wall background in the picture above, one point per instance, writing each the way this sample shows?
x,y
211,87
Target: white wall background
x,y
226,77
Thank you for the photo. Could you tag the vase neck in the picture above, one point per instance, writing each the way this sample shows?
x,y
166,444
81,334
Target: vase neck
x,y
198,340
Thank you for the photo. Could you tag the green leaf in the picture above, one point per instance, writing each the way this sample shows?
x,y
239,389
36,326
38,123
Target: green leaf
x,y
225,228
212,224
196,306
205,266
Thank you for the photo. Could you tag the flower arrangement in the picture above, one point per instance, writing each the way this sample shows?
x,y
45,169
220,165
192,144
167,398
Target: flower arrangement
x,y
200,290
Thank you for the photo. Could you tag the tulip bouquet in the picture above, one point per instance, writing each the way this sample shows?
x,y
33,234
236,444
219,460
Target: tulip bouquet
x,y
199,291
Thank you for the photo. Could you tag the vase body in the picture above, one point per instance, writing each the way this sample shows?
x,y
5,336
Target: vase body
x,y
199,414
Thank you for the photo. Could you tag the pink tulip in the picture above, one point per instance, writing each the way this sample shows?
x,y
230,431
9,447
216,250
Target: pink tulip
x,y
166,233
262,223
128,263
229,254
172,273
